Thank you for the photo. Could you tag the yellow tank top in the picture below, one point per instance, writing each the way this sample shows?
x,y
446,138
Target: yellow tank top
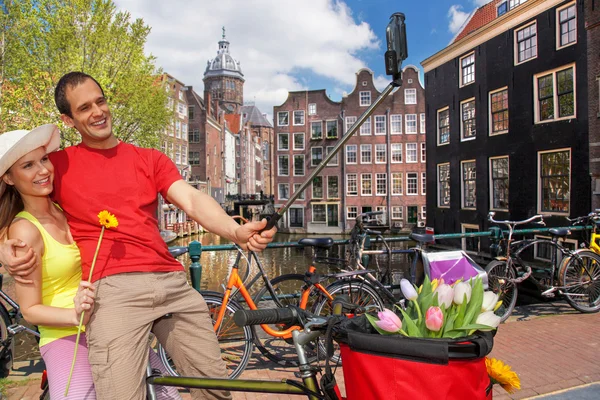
x,y
61,274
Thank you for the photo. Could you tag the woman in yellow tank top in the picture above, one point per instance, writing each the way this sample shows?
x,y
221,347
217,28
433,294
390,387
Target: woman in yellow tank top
x,y
53,296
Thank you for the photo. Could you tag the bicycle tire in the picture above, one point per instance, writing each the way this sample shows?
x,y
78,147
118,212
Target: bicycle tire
x,y
506,289
359,292
7,358
236,356
587,289
289,287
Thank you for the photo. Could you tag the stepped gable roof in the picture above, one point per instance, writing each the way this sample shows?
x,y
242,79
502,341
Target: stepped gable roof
x,y
253,115
478,19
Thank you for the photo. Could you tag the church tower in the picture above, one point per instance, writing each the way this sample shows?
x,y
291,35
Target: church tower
x,y
224,80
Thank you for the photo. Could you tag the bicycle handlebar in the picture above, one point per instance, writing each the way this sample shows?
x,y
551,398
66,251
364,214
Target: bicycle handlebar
x,y
515,223
267,316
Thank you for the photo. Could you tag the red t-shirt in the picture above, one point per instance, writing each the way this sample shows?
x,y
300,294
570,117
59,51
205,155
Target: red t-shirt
x,y
125,181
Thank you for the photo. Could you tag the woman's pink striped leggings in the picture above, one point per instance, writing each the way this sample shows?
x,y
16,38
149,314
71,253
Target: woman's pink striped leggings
x,y
58,356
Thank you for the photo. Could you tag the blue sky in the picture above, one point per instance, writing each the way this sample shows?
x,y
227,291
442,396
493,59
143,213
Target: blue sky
x,y
289,45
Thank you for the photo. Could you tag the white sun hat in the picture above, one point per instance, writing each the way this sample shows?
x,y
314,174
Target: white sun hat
x,y
15,144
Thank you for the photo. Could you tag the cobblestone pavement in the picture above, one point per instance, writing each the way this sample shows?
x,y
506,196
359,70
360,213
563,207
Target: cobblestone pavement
x,y
549,345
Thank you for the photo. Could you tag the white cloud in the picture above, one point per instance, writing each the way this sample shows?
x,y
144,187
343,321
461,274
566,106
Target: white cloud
x,y
457,18
480,3
273,40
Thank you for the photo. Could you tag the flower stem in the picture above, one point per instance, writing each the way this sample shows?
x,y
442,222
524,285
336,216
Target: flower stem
x,y
420,316
81,316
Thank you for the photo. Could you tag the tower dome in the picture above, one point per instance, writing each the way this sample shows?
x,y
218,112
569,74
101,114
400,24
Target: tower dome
x,y
223,64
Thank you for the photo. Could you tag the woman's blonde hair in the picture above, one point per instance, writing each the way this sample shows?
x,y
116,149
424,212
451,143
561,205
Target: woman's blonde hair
x,y
11,204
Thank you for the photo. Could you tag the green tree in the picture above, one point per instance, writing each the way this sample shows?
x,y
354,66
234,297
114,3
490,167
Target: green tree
x,y
40,40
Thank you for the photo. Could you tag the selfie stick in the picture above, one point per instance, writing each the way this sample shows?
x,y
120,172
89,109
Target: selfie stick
x,y
395,54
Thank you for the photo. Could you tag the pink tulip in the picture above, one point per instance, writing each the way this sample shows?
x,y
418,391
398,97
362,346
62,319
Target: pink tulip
x,y
434,319
388,321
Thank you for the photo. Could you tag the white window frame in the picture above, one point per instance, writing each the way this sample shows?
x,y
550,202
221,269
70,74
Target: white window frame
x,y
348,193
365,129
423,183
536,107
413,119
490,114
410,159
380,122
463,241
491,182
279,147
423,152
462,184
415,176
423,213
311,130
437,123
370,153
279,158
397,176
337,133
398,118
312,109
351,212
396,151
539,181
559,26
311,155
303,164
362,189
461,69
296,187
364,98
355,154
312,212
381,146
338,187
312,187
410,96
382,176
516,42
280,114
334,160
398,213
279,186
462,120
423,127
438,186
349,122
301,114
303,141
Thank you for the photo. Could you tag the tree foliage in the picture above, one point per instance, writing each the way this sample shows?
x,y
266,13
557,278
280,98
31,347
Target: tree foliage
x,y
41,40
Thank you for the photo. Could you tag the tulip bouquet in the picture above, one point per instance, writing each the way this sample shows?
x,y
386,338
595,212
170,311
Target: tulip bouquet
x,y
439,310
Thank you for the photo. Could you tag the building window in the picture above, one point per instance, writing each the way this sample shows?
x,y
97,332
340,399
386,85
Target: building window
x,y
381,184
526,43
194,157
467,69
554,183
423,152
284,167
333,187
423,182
191,112
397,212
296,217
366,188
412,183
411,153
380,125
283,118
396,124
396,153
299,117
567,25
334,160
502,8
410,96
422,116
316,156
351,185
396,183
299,165
349,122
411,124
296,187
283,141
317,187
316,130
365,154
284,191
468,184
365,129
380,153
443,185
299,141
194,136
351,212
312,109
513,3
499,187
319,213
332,132
443,117
467,119
365,98
499,111
470,244
351,150
555,95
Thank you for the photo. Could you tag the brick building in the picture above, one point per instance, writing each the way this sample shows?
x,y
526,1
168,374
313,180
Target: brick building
x,y
382,167
592,27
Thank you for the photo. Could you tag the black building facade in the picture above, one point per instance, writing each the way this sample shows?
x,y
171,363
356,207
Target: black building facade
x,y
507,123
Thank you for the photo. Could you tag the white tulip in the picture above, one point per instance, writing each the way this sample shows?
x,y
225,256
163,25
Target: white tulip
x,y
488,318
445,295
490,299
460,289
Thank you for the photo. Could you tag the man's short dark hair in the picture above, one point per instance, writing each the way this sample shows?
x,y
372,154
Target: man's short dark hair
x,y
70,80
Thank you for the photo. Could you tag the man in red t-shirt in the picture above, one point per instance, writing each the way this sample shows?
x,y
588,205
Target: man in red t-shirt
x,y
137,281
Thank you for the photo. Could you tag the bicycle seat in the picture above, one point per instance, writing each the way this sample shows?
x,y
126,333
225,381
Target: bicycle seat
x,y
560,232
422,237
324,243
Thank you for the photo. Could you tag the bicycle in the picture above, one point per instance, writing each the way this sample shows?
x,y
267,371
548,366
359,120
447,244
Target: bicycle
x,y
576,273
312,327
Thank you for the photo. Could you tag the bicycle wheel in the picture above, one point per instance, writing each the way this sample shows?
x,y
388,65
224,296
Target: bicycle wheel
x,y
580,274
359,292
500,276
288,289
235,342
7,357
